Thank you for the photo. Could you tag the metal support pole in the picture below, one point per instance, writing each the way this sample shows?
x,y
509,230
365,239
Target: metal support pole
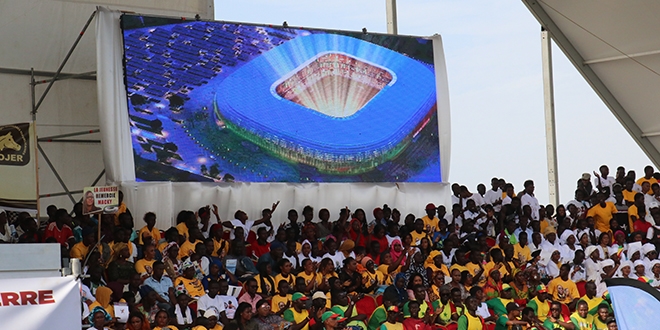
x,y
57,175
66,59
392,27
55,137
549,106
68,76
32,94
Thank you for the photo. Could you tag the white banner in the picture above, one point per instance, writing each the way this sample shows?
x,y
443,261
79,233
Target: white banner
x,y
40,303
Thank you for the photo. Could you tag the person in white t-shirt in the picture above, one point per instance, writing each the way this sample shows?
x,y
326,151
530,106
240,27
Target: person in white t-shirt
x,y
529,199
229,303
211,300
603,181
494,195
241,220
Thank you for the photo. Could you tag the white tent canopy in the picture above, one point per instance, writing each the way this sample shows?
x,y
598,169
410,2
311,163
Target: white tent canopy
x,y
615,45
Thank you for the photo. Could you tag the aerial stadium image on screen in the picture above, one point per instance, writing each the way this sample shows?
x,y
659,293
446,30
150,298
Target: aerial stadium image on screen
x,y
221,101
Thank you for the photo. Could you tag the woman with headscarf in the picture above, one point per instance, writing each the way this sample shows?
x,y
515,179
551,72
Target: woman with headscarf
x,y
306,252
398,289
171,260
120,269
550,263
568,246
346,248
519,285
372,278
98,318
435,264
625,269
104,300
397,251
591,263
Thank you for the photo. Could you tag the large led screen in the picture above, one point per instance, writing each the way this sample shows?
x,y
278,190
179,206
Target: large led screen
x,y
224,101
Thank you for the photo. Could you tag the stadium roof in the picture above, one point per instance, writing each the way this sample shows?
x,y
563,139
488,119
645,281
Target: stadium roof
x,y
615,45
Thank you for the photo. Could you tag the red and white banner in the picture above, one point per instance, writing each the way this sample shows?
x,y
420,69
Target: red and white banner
x,y
40,303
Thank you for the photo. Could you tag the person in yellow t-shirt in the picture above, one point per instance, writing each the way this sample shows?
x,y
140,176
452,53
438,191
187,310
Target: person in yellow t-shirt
x,y
431,222
149,233
312,279
220,245
521,251
297,314
418,233
581,319
392,321
188,283
144,266
188,247
628,192
470,320
648,177
563,289
633,210
80,249
281,301
285,272
602,213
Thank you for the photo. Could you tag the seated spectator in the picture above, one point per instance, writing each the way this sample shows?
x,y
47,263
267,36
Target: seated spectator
x,y
345,307
162,285
171,260
149,234
80,249
581,319
182,315
145,266
211,300
250,296
98,318
188,283
59,230
149,305
266,319
281,301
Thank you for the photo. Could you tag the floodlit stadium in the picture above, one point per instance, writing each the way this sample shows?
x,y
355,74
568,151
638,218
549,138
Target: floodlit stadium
x,y
294,106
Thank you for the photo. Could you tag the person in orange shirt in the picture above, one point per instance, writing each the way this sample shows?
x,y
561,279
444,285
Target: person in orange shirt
x,y
602,213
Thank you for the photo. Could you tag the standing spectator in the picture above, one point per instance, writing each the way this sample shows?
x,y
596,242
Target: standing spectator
x,y
529,199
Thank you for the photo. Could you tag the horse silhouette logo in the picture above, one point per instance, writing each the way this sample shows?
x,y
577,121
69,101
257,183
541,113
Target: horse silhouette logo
x,y
15,144
7,142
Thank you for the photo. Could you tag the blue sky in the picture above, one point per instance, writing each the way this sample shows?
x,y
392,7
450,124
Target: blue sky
x,y
493,54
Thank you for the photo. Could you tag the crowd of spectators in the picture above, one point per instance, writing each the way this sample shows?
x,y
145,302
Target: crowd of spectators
x,y
497,259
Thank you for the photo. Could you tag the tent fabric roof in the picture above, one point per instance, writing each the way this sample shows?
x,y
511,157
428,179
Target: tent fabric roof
x,y
616,48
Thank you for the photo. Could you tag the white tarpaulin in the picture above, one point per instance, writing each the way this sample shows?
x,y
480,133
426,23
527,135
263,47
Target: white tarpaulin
x,y
166,198
40,303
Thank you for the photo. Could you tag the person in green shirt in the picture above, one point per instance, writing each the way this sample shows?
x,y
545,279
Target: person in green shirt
x,y
342,305
555,320
380,314
505,321
581,319
498,305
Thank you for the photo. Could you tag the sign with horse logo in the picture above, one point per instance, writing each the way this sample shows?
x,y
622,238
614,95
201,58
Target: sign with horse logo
x,y
15,144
